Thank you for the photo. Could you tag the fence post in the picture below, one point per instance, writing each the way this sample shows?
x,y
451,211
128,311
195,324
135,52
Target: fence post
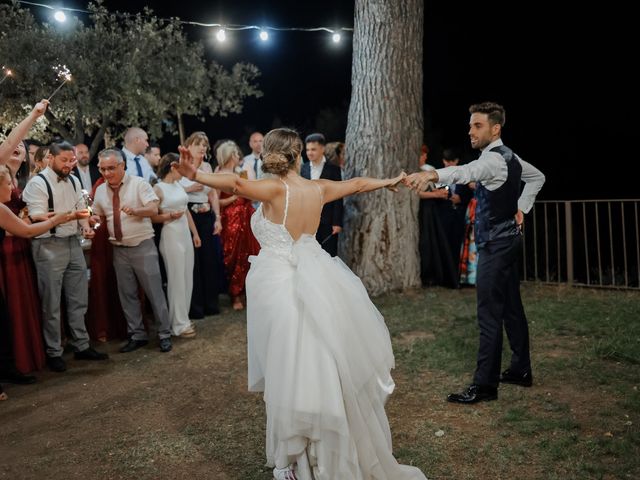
x,y
569,239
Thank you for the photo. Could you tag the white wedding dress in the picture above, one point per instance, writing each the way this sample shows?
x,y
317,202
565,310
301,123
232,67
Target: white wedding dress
x,y
321,352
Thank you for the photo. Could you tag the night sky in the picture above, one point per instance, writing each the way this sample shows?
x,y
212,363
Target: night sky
x,y
563,78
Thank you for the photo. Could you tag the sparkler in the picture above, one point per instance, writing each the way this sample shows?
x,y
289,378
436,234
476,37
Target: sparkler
x,y
85,202
63,73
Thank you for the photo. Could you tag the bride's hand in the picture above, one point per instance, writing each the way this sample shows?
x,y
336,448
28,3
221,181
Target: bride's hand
x,y
394,182
185,166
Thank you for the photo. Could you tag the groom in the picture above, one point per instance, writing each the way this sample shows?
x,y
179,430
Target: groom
x,y
499,216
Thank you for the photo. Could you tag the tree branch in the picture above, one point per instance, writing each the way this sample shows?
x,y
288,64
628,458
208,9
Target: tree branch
x,y
99,137
58,125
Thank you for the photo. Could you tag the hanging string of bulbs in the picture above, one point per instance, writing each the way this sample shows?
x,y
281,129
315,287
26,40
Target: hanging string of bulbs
x,y
60,16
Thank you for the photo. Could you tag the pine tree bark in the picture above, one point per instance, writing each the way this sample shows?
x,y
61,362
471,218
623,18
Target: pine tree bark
x,y
384,135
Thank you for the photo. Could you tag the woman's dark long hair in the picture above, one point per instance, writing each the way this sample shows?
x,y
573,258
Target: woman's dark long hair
x,y
22,175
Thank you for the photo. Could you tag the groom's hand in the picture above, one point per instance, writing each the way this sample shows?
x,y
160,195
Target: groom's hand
x,y
418,181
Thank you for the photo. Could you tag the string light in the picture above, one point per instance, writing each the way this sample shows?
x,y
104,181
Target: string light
x,y
264,31
60,16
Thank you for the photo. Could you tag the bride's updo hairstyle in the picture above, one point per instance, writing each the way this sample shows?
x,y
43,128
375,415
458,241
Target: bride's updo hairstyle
x,y
281,149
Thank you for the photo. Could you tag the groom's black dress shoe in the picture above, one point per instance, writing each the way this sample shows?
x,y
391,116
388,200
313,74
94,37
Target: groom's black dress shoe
x,y
523,379
474,394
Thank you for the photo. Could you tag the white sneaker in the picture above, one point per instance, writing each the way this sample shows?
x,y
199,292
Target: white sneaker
x,y
286,473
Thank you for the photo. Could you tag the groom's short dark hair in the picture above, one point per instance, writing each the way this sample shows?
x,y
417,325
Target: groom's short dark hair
x,y
315,137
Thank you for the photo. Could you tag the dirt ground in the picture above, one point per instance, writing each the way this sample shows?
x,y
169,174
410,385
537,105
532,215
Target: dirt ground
x,y
187,414
92,420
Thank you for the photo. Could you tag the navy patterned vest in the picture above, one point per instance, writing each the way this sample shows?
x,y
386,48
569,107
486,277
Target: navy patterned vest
x,y
496,210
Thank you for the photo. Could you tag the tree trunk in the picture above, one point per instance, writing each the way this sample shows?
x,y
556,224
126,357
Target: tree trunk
x,y
101,134
78,134
384,135
181,128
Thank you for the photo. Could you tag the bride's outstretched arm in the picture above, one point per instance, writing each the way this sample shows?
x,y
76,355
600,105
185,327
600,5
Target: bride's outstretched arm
x,y
262,190
335,190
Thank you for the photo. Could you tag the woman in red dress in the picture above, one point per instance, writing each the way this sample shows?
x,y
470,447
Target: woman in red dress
x,y
21,289
238,242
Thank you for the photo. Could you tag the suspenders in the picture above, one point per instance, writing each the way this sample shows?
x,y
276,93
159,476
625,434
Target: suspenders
x,y
50,192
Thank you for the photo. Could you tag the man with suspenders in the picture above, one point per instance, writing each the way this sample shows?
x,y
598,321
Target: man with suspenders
x,y
59,259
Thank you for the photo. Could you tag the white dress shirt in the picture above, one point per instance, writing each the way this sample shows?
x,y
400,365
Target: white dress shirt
x,y
134,193
253,169
85,177
316,170
65,199
132,168
491,170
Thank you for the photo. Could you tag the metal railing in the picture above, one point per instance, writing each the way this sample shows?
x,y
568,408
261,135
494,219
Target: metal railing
x,y
591,243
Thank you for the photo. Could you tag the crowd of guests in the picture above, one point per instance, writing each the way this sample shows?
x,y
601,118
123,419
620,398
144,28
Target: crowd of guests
x,y
448,254
164,243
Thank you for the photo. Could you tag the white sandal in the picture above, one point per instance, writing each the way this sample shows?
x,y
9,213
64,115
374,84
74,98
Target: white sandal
x,y
287,473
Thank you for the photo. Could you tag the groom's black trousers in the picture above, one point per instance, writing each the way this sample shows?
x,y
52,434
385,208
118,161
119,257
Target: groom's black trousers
x,y
499,303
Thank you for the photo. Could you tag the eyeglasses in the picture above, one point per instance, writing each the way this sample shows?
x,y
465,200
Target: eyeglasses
x,y
110,168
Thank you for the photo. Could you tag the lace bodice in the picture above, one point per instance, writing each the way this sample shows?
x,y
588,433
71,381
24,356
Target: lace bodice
x,y
272,236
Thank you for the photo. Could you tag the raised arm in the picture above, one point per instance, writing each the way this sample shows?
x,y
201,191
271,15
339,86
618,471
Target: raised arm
x,y
333,190
21,130
261,190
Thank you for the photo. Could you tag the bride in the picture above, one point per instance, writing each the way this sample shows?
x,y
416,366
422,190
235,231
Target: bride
x,y
317,346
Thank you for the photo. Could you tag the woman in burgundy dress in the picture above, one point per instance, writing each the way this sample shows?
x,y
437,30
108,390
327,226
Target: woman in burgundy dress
x,y
12,224
238,241
21,289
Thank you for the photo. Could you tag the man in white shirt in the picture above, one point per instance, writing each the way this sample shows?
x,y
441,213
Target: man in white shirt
x,y
499,216
317,167
252,163
125,204
152,154
136,142
58,255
